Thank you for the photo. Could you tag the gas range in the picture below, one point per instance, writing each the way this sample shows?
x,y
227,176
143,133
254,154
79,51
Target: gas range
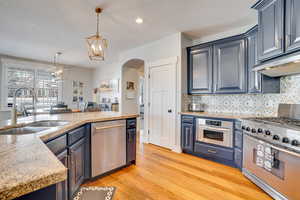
x,y
271,152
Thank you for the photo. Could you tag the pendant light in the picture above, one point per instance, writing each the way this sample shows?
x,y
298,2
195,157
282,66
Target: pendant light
x,y
96,43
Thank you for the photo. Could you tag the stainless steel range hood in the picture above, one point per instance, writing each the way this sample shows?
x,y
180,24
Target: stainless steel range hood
x,y
282,66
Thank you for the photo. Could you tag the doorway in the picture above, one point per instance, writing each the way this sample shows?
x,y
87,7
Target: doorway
x,y
132,96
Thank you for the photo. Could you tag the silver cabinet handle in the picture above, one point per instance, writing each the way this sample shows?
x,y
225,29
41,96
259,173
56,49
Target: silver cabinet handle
x,y
108,127
211,151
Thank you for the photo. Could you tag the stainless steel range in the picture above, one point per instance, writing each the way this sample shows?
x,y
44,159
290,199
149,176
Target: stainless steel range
x,y
271,152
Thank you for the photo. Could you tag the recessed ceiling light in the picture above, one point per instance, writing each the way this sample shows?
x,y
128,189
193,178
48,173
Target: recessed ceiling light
x,y
139,20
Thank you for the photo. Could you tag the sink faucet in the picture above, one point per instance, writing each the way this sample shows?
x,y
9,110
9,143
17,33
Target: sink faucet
x,y
14,109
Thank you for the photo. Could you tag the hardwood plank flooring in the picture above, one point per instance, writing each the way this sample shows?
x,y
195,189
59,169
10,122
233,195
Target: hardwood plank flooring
x,y
161,174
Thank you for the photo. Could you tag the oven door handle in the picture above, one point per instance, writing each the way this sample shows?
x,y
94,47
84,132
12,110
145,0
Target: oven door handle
x,y
214,129
285,150
274,147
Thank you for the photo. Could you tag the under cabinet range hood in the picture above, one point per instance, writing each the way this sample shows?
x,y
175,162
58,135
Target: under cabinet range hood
x,y
282,66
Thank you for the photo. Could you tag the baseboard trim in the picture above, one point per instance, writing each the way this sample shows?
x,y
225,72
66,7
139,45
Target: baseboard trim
x,y
177,149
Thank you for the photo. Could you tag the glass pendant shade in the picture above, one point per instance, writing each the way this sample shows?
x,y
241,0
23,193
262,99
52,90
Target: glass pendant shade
x,y
96,43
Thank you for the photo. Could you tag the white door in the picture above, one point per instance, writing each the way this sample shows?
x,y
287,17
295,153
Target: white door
x,y
162,95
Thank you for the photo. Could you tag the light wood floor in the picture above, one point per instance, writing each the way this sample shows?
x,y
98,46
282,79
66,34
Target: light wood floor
x,y
161,174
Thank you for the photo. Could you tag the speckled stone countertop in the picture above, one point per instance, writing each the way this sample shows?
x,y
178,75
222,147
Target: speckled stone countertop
x,y
223,115
26,164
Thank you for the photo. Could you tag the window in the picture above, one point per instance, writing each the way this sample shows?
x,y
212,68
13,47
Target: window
x,y
44,84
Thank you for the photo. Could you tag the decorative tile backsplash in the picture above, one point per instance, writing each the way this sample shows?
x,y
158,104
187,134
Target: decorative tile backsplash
x,y
258,104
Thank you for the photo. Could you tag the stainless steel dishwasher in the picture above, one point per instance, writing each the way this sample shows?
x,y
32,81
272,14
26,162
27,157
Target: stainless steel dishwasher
x,y
108,146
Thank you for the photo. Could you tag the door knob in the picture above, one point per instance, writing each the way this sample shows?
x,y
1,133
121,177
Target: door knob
x,y
170,111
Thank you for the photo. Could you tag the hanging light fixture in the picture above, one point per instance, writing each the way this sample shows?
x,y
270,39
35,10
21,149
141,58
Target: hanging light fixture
x,y
96,43
58,69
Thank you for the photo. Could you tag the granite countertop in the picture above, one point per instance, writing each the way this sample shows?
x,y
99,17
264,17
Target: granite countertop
x,y
26,164
222,115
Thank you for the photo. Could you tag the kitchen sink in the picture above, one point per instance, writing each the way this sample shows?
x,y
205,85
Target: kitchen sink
x,y
22,130
48,123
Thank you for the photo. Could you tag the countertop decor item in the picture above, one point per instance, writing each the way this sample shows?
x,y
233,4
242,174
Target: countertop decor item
x,y
95,193
96,43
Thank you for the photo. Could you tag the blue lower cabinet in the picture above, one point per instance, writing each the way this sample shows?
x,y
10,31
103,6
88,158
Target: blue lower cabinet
x,y
214,151
47,193
187,137
76,166
62,187
238,158
238,139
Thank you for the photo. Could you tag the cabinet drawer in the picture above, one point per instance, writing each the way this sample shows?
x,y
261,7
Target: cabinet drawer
x,y
212,151
76,135
57,145
238,158
131,123
187,119
238,139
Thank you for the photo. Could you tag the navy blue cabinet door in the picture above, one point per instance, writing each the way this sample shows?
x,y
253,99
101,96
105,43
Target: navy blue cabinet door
x,y
270,28
200,70
292,25
76,166
131,145
230,67
62,187
254,77
187,137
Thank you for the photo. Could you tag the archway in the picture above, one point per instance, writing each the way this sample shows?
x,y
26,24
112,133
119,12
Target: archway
x,y
132,90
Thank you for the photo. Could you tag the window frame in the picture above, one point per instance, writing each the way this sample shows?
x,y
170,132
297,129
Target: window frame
x,y
10,63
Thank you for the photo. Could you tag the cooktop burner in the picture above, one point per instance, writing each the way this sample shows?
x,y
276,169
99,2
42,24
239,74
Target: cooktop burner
x,y
287,122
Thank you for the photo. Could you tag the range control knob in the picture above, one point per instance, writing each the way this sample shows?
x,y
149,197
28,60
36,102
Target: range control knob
x,y
259,130
276,137
295,143
248,128
285,140
267,132
253,130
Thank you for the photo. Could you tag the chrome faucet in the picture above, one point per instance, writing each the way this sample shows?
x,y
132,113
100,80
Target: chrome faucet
x,y
14,109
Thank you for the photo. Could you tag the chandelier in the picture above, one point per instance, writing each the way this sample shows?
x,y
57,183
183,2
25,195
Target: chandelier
x,y
96,43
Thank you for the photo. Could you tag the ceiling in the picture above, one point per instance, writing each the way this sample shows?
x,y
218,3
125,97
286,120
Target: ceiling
x,y
37,29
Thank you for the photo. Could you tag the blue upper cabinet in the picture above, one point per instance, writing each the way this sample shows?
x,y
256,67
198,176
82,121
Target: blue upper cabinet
x,y
230,66
270,28
258,83
292,25
200,70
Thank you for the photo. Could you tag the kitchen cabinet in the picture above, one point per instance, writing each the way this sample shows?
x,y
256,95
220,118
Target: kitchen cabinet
x,y
230,67
187,134
76,166
200,70
131,145
62,187
270,28
214,151
292,25
238,145
131,141
258,83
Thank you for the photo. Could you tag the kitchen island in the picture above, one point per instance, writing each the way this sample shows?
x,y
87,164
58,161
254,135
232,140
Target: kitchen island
x,y
26,164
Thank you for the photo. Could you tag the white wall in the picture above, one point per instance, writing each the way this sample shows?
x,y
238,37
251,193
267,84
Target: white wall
x,y
221,35
84,75
130,105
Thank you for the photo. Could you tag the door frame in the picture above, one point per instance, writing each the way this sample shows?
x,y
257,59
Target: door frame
x,y
173,61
